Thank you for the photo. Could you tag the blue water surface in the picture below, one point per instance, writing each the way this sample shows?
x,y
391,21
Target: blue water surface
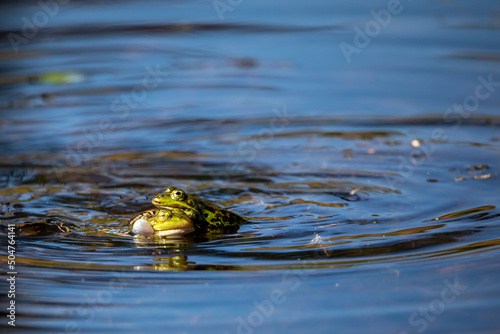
x,y
360,140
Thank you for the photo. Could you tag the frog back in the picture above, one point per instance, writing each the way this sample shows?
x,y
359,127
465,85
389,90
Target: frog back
x,y
218,218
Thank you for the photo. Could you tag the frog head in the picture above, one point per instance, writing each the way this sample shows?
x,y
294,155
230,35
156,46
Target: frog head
x,y
174,198
172,222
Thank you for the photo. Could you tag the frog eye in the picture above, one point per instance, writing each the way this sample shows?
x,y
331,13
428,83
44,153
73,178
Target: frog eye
x,y
178,195
164,216
170,189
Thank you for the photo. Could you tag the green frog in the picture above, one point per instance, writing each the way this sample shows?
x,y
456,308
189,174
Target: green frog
x,y
162,223
206,216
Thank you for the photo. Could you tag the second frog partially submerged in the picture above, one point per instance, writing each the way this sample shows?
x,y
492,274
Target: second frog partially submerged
x,y
178,213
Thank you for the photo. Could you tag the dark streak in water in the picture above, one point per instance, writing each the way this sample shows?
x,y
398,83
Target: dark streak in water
x,y
173,28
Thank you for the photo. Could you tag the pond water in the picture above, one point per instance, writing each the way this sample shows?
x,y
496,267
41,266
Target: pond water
x,y
360,139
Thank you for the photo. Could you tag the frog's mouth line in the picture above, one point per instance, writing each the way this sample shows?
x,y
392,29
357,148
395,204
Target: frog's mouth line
x,y
168,207
177,231
171,207
187,210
